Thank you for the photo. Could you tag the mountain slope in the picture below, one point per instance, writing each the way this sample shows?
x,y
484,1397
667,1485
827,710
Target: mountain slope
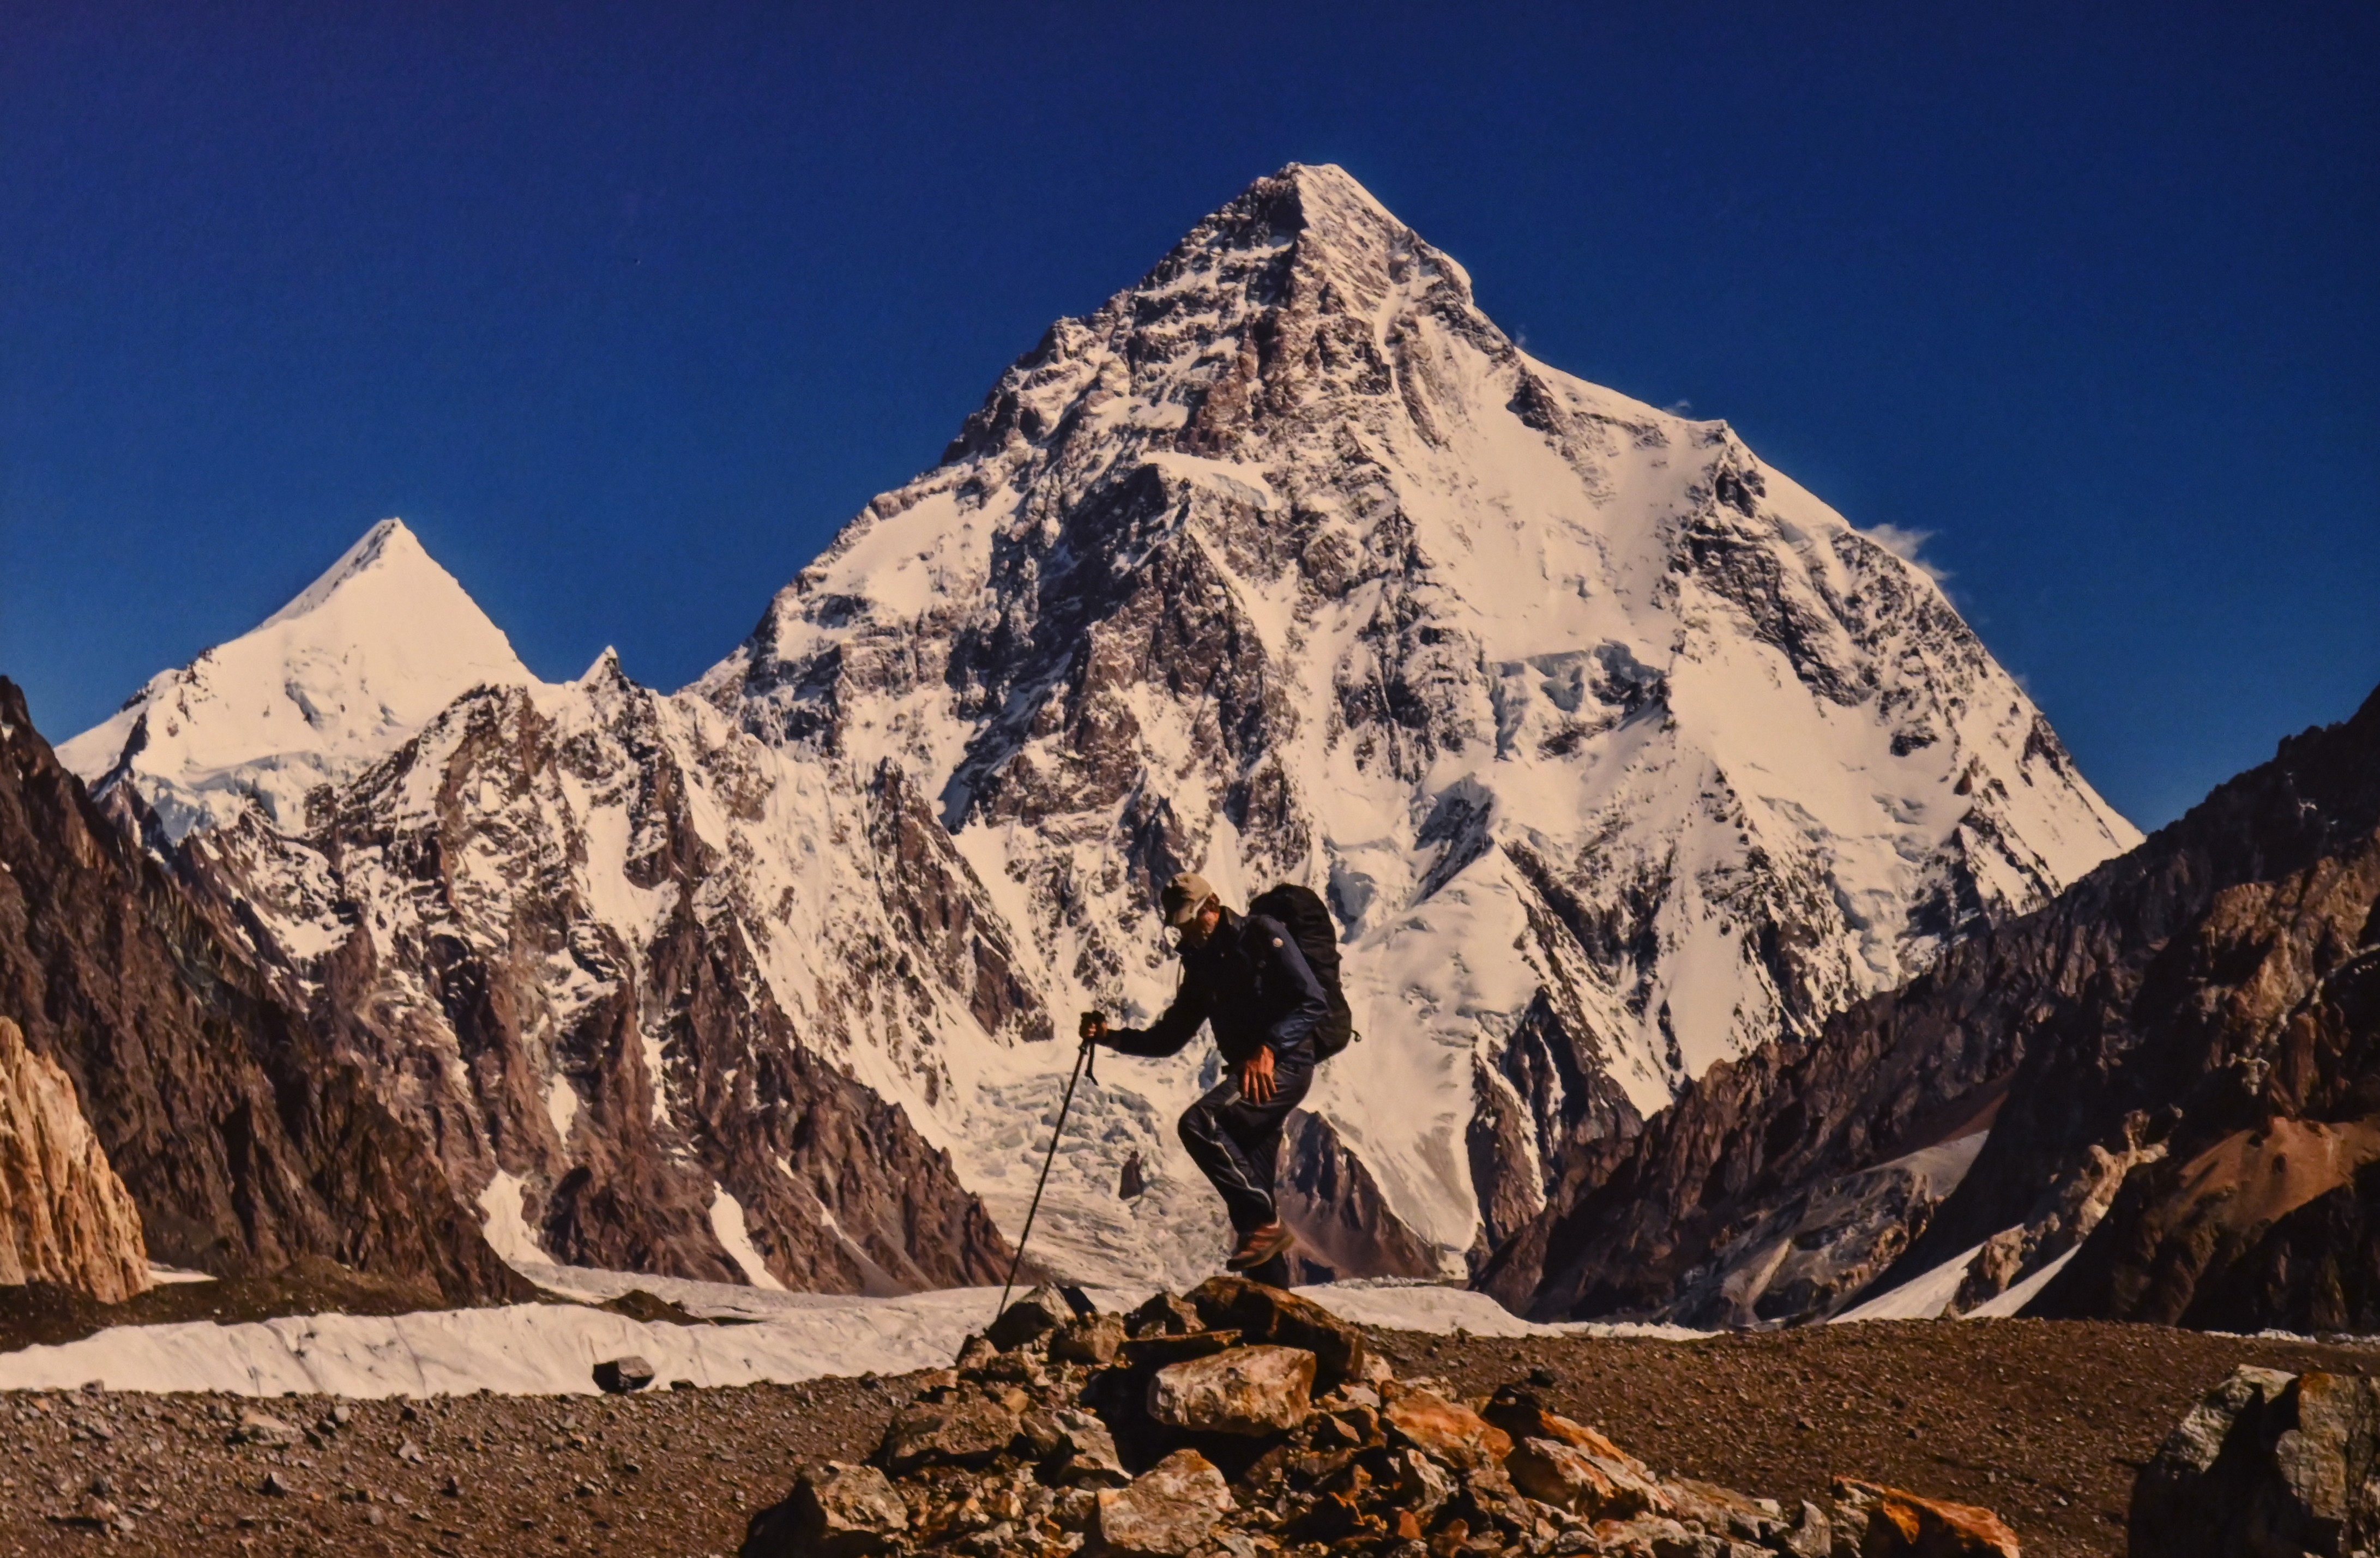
x,y
1616,752
2175,1062
526,926
246,1146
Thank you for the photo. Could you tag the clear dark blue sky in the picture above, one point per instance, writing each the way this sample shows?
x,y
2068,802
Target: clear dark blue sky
x,y
625,309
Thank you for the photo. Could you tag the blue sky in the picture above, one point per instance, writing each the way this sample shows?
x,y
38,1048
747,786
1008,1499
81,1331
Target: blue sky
x,y
626,308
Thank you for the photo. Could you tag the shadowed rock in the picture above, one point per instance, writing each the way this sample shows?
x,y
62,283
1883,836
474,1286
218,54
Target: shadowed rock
x,y
2266,1462
834,1511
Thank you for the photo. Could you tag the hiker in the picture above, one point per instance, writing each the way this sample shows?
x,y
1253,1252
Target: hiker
x,y
1245,976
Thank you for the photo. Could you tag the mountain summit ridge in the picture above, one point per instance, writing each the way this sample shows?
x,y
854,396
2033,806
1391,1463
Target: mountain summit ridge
x,y
1616,751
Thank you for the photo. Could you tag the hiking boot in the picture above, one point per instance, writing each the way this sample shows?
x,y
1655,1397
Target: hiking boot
x,y
1259,1245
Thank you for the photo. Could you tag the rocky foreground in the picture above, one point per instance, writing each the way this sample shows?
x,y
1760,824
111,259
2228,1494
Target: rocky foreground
x,y
2045,1423
1244,1421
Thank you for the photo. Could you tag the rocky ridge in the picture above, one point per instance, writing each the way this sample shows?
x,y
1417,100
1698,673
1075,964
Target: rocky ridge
x,y
246,1145
1617,753
2174,1063
1242,1420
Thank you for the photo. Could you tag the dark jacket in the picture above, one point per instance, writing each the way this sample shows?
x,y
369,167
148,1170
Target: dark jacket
x,y
1251,982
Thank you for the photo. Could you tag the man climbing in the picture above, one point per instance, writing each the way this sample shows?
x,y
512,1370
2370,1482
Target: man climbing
x,y
1245,976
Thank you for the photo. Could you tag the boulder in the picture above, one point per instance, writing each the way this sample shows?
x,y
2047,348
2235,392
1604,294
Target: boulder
x,y
1167,1510
1260,1313
1808,1534
1592,1486
1876,1521
968,1430
1252,1392
1418,1483
262,1428
1446,1431
1088,1452
834,1511
1520,1414
618,1376
1163,1315
1030,1318
2268,1462
1091,1339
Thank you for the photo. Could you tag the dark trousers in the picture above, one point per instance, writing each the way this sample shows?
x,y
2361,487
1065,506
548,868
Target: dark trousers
x,y
1237,1143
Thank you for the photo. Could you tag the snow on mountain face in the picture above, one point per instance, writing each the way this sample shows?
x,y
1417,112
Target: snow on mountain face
x,y
1616,752
326,686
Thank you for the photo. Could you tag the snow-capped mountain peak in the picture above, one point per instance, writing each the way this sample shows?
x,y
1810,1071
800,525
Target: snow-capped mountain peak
x,y
333,681
1616,752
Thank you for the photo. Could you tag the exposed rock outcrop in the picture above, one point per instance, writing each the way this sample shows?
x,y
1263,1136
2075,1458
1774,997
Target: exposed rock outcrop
x,y
2267,1463
608,1052
2178,1063
65,1217
244,1144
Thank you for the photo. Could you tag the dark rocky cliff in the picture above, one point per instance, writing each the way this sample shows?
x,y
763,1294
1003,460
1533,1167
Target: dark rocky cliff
x,y
2177,1061
248,1147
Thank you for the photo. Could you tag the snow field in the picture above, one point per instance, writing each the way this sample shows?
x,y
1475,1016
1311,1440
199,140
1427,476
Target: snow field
x,y
551,1349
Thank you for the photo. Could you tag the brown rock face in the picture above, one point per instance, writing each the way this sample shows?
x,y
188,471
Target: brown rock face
x,y
65,1217
2267,1463
966,1430
1892,1523
2178,1062
245,1143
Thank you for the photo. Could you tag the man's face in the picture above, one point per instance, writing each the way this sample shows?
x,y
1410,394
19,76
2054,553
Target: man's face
x,y
1195,931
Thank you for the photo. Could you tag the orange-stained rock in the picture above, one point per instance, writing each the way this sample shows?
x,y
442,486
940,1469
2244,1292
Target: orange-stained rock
x,y
1248,1391
1261,1314
65,1217
1894,1523
1445,1430
1522,1416
1168,1510
1584,1483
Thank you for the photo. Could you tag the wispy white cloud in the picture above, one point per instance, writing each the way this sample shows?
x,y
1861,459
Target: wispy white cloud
x,y
1904,544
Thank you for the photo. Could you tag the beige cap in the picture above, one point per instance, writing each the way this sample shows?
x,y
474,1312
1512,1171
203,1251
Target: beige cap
x,y
1184,897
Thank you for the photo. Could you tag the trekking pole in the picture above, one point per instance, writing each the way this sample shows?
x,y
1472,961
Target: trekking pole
x,y
1082,1067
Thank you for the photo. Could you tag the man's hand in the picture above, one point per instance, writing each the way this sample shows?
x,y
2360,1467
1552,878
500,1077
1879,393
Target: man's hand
x,y
1255,1077
1093,1027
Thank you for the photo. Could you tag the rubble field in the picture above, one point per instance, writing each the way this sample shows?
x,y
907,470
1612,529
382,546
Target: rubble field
x,y
2044,1423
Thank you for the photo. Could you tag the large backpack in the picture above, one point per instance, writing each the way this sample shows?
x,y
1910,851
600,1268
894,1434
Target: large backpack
x,y
1303,913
